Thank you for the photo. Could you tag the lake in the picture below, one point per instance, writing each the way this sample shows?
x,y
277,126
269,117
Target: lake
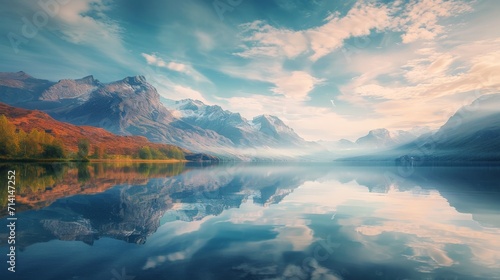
x,y
252,221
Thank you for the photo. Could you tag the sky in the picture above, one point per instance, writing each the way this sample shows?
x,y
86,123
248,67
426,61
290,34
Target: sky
x,y
329,69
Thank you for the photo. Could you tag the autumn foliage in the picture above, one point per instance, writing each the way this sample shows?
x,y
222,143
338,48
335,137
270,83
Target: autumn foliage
x,y
34,134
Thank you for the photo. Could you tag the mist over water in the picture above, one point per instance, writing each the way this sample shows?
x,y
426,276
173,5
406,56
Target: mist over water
x,y
256,221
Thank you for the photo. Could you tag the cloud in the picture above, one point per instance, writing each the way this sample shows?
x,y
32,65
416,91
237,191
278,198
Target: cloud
x,y
170,89
85,22
359,21
291,84
424,80
271,41
267,47
184,92
261,39
296,85
155,60
418,20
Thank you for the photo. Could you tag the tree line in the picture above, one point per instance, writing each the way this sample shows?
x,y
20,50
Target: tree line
x,y
38,144
16,143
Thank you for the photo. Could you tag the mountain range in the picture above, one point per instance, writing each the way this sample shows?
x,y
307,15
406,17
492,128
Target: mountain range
x,y
377,139
262,130
70,134
133,107
471,134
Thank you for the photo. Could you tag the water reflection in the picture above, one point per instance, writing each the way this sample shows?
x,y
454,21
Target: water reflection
x,y
260,222
41,184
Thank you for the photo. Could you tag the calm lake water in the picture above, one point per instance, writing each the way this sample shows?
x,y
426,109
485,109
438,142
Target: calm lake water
x,y
290,221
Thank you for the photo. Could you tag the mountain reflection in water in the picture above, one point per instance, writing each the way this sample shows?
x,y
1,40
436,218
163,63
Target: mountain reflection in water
x,y
289,221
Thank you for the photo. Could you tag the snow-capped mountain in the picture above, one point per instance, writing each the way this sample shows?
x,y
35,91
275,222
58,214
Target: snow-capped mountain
x,y
132,106
383,138
471,134
275,128
377,139
263,130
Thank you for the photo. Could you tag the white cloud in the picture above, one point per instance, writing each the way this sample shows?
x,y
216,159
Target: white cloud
x,y
268,47
424,80
155,60
271,41
170,89
264,40
77,26
291,84
183,92
296,85
359,21
418,20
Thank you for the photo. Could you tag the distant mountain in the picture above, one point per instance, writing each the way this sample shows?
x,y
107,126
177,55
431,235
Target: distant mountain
x,y
275,128
376,140
20,87
263,130
471,134
383,138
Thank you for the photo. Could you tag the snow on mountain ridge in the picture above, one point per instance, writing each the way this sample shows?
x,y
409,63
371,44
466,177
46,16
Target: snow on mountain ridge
x,y
262,130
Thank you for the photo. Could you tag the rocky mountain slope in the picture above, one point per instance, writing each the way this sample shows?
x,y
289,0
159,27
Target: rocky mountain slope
x,y
132,106
263,130
70,134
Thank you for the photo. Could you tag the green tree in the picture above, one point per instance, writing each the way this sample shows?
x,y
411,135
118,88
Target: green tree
x,y
83,148
54,150
22,138
157,154
34,147
8,138
145,153
174,153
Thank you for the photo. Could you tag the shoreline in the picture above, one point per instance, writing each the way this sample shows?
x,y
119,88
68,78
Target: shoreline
x,y
140,160
29,160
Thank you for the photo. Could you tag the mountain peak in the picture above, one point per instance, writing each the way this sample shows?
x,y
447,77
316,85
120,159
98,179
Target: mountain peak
x,y
135,80
379,137
379,132
87,79
189,101
269,118
18,75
